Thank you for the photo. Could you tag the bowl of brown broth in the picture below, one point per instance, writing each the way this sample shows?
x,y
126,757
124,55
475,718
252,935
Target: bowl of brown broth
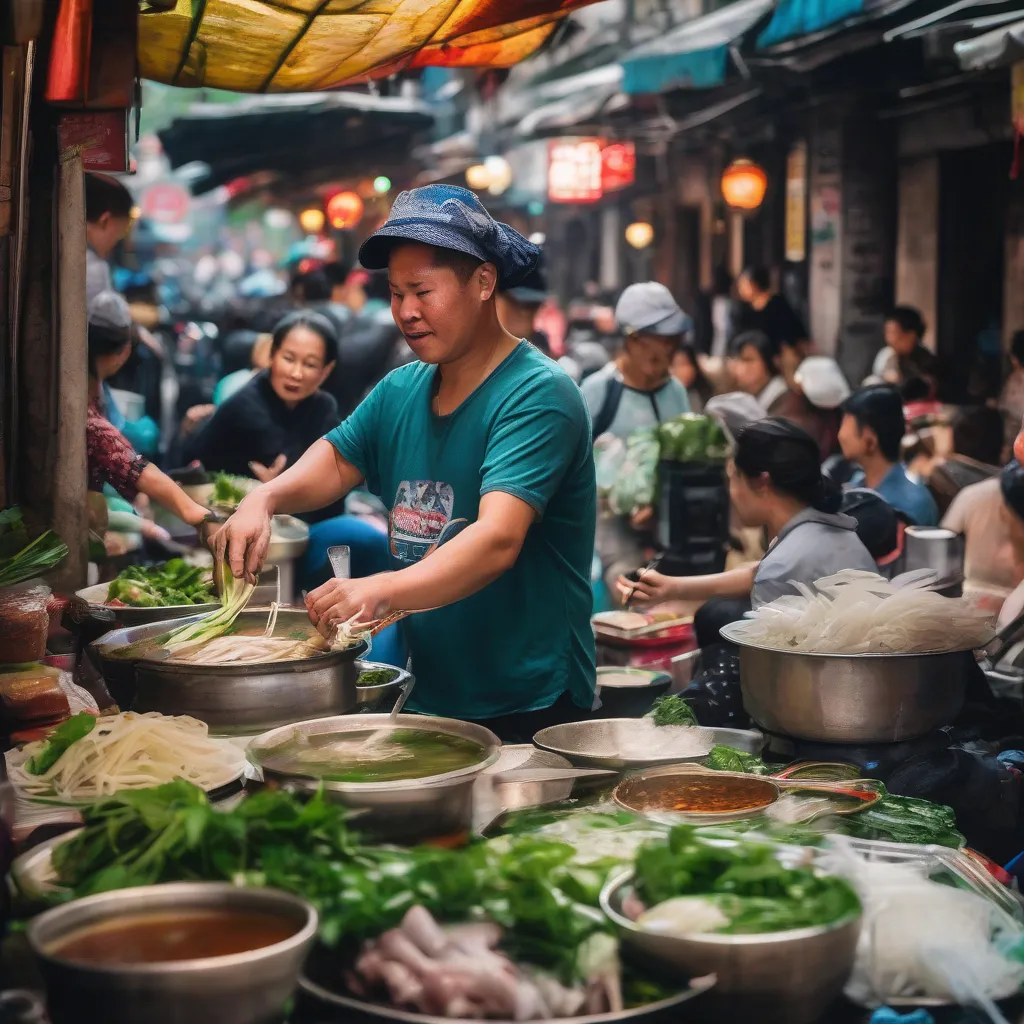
x,y
185,951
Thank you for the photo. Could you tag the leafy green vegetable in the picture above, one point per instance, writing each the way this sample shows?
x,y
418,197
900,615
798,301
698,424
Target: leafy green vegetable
x,y
750,885
530,885
905,819
729,759
169,583
22,558
671,709
234,595
692,438
229,490
59,740
376,676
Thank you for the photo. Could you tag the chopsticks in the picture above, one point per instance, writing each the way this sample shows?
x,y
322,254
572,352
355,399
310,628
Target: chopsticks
x,y
652,564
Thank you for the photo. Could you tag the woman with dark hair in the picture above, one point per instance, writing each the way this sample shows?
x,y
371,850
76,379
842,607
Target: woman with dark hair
x,y
754,365
267,425
775,482
686,369
110,458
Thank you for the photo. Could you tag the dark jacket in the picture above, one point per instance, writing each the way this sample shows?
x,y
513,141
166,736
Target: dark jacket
x,y
255,425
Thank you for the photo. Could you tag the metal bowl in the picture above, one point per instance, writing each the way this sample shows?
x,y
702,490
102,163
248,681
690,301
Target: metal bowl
x,y
632,696
638,792
591,744
235,699
243,988
440,805
787,977
125,615
382,696
850,698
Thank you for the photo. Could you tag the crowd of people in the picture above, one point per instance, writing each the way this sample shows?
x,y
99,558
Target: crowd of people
x,y
824,475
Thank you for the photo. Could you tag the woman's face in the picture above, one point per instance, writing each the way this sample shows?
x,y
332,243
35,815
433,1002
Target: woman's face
x,y
749,370
747,497
108,365
297,368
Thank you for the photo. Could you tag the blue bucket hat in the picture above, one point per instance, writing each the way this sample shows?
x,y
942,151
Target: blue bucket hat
x,y
450,217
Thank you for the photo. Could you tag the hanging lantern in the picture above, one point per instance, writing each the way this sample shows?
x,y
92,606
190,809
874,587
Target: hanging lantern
x,y
640,234
312,220
344,210
744,185
478,177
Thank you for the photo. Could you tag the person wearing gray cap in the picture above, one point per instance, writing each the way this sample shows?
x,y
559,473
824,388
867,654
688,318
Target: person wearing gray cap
x,y
634,392
481,452
110,458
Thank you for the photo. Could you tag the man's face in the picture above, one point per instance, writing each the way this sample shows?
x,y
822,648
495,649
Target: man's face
x,y
855,442
651,356
900,341
434,308
749,371
106,231
745,289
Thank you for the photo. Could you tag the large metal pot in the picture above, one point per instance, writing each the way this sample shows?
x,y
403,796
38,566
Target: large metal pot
x,y
440,805
238,699
243,988
850,698
787,977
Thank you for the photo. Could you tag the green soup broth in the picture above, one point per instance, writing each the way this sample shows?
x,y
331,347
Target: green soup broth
x,y
404,754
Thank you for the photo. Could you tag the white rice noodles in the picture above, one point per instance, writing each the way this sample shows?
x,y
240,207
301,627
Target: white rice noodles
x,y
641,738
857,612
133,751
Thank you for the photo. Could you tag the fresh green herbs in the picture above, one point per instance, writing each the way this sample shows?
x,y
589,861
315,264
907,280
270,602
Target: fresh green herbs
x,y
748,883
169,583
235,596
672,710
905,819
729,759
59,740
229,490
376,676
22,558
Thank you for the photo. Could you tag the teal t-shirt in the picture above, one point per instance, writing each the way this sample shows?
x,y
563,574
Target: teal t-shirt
x,y
525,639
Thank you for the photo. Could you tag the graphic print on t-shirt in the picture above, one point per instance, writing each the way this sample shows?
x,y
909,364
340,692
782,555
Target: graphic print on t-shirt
x,y
421,519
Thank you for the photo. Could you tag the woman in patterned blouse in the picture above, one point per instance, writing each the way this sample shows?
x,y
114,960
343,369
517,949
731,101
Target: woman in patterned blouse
x,y
111,459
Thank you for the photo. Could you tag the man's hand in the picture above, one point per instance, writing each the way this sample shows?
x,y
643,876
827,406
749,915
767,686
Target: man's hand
x,y
267,473
338,601
643,518
243,540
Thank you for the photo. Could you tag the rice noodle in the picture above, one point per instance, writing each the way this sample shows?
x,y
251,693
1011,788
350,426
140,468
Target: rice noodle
x,y
856,612
133,751
248,650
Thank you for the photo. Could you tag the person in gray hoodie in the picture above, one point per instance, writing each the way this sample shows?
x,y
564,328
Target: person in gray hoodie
x,y
775,482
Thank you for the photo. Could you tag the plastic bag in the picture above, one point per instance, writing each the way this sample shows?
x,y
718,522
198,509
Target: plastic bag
x,y
635,484
24,622
609,458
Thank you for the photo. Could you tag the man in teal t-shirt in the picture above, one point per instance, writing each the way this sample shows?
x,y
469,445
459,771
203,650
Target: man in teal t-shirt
x,y
482,453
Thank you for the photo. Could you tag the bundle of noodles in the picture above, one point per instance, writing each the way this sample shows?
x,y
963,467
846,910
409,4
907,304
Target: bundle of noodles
x,y
856,612
129,751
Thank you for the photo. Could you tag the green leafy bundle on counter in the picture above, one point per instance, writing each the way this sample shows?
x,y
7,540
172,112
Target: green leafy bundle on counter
x,y
729,759
168,583
22,558
230,490
692,438
746,880
671,709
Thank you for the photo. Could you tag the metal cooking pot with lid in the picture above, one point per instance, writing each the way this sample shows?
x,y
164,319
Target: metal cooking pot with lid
x,y
850,698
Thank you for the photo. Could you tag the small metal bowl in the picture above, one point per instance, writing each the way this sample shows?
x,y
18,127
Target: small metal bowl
x,y
242,988
774,978
639,792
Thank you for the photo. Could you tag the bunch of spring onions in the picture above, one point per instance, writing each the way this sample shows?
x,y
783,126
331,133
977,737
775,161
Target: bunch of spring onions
x,y
235,595
23,559
856,612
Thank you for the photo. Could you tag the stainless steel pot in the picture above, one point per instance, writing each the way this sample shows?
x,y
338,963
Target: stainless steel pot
x,y
238,699
850,698
785,977
243,988
935,548
439,805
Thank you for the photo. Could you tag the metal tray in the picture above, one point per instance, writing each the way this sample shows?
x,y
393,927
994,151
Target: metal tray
x,y
580,743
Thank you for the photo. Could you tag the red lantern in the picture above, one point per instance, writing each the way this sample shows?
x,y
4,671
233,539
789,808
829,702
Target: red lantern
x,y
744,185
344,210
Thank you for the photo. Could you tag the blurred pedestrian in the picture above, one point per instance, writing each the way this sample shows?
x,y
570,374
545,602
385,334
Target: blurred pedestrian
x,y
770,313
686,369
754,365
976,456
518,306
904,358
820,380
870,435
108,219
